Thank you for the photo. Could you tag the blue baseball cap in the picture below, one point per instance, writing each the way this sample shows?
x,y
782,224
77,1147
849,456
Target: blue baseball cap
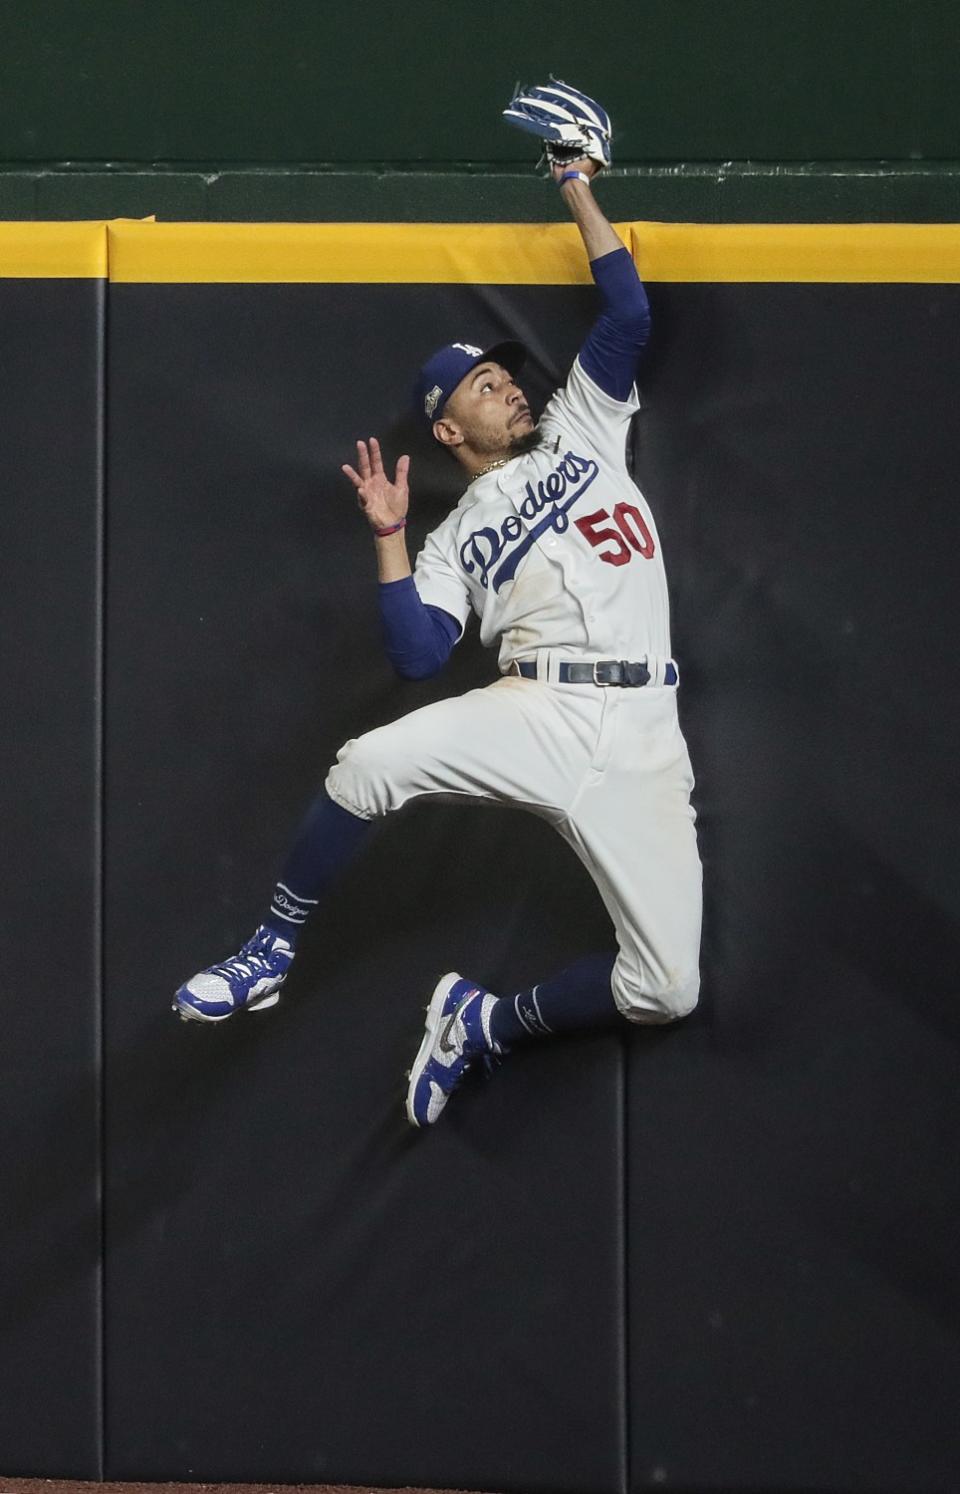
x,y
441,374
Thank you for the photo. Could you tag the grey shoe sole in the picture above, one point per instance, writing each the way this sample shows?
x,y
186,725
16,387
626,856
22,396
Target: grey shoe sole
x,y
434,1013
187,1013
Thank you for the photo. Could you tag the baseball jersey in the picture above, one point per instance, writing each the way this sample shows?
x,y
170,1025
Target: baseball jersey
x,y
558,549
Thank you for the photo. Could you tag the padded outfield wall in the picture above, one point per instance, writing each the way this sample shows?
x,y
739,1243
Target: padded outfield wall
x,y
720,1256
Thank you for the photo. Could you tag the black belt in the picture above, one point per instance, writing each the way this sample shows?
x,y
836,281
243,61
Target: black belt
x,y
601,672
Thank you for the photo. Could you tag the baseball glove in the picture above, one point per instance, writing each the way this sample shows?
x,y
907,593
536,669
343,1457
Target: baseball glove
x,y
568,123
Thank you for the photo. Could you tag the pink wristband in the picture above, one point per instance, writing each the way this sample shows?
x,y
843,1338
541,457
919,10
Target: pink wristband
x,y
393,529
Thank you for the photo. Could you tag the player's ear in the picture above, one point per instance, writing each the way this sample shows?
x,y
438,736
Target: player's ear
x,y
447,432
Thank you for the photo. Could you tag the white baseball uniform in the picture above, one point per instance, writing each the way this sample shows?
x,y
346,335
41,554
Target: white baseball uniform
x,y
558,555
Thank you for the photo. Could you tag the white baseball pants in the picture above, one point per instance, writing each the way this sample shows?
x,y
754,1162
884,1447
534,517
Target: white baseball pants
x,y
608,767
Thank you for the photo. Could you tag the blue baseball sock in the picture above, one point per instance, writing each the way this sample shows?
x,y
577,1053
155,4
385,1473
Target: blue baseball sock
x,y
327,842
578,998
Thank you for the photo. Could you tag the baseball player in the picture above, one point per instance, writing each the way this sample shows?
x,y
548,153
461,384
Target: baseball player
x,y
555,550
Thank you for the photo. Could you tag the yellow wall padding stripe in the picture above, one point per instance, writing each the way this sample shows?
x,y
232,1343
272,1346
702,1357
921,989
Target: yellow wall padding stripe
x,y
53,251
387,253
525,254
476,253
829,253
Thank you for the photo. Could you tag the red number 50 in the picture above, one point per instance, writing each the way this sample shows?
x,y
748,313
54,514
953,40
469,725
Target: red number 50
x,y
630,535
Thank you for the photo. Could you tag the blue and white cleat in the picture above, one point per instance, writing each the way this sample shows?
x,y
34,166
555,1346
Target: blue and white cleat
x,y
458,1033
249,981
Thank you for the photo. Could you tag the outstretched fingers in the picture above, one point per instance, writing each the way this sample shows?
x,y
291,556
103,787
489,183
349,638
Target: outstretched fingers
x,y
363,462
373,488
369,462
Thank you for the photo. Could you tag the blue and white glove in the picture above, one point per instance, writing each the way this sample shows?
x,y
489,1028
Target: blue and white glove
x,y
569,124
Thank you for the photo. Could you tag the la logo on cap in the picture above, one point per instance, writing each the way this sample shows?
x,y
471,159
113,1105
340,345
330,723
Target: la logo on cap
x,y
467,347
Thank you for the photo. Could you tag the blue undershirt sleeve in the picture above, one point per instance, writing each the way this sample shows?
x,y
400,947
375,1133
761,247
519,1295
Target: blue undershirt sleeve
x,y
611,352
418,638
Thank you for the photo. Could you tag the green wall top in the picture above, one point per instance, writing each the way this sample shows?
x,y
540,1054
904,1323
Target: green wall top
x,y
311,81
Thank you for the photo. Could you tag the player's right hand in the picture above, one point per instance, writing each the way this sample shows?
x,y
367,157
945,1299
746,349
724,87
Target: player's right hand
x,y
383,503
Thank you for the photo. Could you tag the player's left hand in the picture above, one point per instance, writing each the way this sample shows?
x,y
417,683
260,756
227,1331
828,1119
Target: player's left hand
x,y
569,125
582,163
383,503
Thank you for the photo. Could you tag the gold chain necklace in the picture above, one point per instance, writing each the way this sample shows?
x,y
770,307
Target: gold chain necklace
x,y
492,467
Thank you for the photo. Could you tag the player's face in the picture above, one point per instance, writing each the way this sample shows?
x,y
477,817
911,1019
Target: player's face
x,y
487,413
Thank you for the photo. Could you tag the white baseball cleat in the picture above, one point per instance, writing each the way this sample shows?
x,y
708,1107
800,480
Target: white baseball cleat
x,y
458,1033
248,981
